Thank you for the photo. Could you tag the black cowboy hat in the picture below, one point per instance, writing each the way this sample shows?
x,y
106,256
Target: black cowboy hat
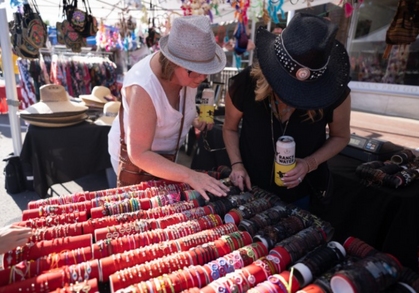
x,y
305,66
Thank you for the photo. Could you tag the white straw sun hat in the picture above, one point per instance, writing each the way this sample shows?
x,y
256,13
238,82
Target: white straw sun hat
x,y
110,111
54,99
99,97
191,44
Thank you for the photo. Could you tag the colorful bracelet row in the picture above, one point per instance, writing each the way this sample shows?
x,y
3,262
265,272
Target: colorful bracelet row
x,y
139,226
78,258
93,224
145,255
134,204
142,194
133,241
51,280
54,220
152,187
196,271
53,210
32,268
214,258
67,230
242,280
32,251
90,286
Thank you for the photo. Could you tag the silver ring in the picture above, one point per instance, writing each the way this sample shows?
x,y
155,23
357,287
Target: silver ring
x,y
299,179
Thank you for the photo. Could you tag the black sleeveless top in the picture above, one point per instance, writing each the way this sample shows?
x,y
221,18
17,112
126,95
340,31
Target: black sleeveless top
x,y
256,146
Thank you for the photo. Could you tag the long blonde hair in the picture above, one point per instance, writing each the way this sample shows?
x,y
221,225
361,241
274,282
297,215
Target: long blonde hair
x,y
263,90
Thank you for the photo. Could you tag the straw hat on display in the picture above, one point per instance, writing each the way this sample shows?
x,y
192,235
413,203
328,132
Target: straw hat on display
x,y
98,98
199,52
54,109
110,111
305,65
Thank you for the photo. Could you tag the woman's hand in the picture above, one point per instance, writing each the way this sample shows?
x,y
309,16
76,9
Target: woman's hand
x,y
295,176
13,236
239,177
204,183
200,125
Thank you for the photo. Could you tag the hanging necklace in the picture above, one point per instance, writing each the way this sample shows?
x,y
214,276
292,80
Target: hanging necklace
x,y
280,109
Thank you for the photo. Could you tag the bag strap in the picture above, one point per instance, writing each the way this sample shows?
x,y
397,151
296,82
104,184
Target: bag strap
x,y
121,122
87,6
183,120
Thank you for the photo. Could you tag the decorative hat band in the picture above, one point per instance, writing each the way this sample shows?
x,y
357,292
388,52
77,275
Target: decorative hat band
x,y
296,69
109,114
196,61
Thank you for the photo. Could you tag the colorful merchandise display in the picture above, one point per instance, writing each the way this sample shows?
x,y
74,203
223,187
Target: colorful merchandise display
x,y
161,236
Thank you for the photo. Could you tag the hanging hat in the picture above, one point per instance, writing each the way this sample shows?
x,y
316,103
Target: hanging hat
x,y
54,99
110,111
191,44
305,66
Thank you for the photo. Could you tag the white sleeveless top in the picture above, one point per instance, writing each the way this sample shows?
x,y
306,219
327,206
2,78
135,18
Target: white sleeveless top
x,y
168,119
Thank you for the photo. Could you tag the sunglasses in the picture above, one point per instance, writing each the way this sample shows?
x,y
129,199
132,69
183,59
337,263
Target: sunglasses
x,y
207,147
193,74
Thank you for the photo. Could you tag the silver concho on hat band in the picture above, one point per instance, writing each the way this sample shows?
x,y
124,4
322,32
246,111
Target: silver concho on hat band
x,y
302,73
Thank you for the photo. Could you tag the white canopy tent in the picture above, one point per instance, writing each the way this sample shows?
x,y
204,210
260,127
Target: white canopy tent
x,y
110,13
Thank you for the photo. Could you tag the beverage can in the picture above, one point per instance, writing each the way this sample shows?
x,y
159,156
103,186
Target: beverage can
x,y
284,157
206,109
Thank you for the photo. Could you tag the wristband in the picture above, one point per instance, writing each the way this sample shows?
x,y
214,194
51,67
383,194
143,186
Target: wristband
x,y
236,163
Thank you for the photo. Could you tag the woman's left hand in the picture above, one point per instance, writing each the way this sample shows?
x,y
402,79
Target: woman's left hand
x,y
294,177
200,125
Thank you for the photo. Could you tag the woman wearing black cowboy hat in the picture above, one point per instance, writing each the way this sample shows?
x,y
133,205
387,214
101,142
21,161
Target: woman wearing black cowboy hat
x,y
298,88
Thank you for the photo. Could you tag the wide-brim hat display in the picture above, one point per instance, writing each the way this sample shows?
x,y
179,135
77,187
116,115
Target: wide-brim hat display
x,y
54,99
191,44
50,122
98,98
54,109
305,66
110,111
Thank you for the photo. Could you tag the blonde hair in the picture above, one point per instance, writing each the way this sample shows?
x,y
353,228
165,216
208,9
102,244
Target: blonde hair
x,y
263,90
167,67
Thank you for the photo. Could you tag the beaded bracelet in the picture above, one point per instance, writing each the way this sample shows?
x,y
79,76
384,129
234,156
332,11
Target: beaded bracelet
x,y
311,163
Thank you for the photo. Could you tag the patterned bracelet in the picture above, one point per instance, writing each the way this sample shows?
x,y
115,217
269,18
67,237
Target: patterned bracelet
x,y
311,163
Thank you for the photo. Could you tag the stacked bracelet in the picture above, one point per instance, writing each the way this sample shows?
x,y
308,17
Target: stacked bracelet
x,y
236,163
311,163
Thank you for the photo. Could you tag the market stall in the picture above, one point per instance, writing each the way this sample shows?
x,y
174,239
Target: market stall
x,y
161,236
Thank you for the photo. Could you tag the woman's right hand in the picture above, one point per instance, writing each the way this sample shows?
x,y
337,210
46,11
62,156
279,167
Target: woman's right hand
x,y
204,183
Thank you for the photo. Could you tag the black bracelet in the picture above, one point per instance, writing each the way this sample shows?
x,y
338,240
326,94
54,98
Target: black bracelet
x,y
236,163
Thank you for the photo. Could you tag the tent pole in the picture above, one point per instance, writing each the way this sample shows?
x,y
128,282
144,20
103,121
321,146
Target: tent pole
x,y
10,80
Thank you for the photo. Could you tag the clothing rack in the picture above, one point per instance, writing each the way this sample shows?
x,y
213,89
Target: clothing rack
x,y
66,51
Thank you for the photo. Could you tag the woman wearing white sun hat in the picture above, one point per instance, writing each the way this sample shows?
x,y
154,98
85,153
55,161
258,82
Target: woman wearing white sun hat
x,y
158,107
